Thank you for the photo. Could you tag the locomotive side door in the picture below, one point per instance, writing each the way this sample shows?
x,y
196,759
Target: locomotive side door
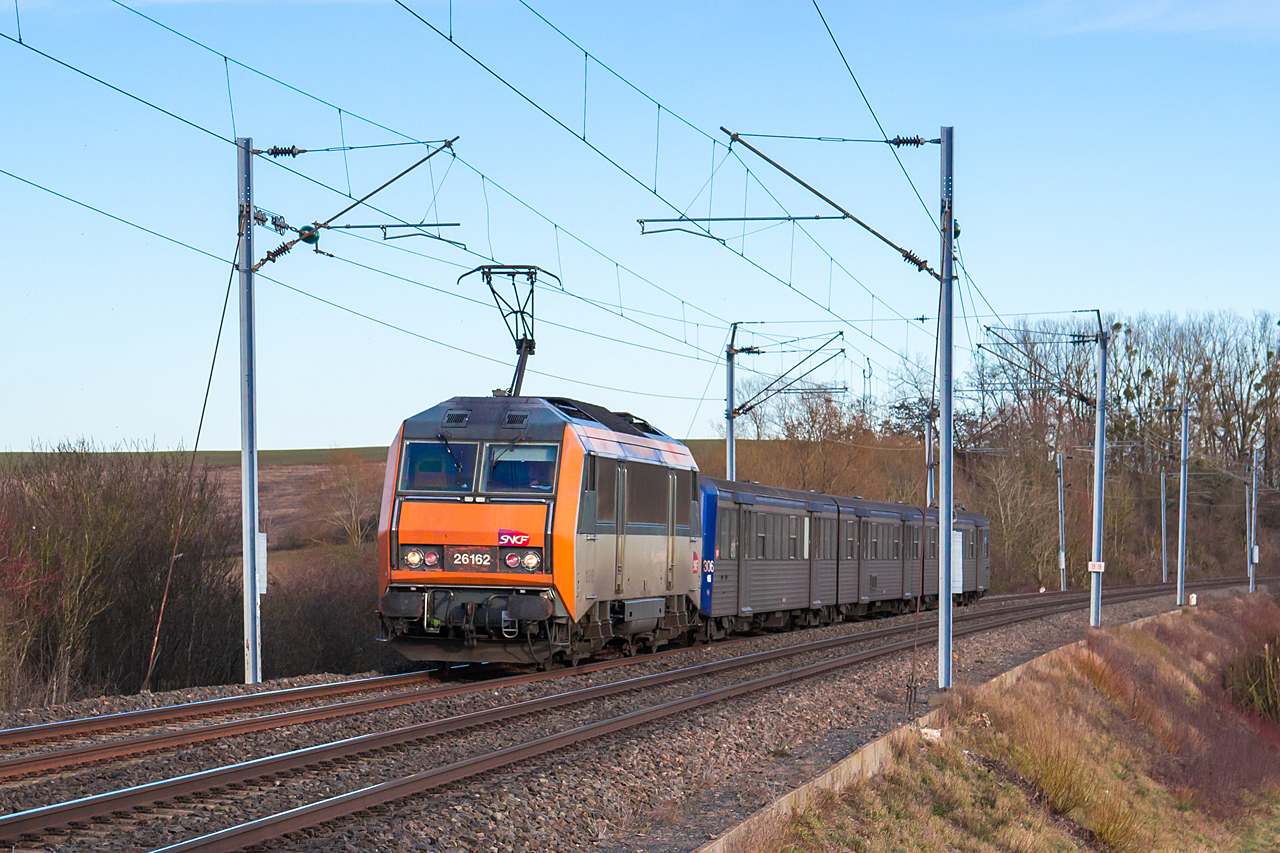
x,y
671,529
620,510
810,553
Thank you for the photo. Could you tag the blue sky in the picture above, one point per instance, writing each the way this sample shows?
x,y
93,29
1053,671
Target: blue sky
x,y
1108,155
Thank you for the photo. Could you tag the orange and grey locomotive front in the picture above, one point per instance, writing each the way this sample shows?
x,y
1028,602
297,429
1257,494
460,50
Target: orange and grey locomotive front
x,y
535,530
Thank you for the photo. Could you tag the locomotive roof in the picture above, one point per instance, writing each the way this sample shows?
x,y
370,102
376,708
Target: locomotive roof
x,y
747,492
540,418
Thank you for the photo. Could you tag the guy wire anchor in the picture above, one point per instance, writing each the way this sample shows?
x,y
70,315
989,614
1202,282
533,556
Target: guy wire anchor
x,y
517,312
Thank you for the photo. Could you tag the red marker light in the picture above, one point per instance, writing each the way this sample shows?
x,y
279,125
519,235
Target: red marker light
x,y
431,558
513,561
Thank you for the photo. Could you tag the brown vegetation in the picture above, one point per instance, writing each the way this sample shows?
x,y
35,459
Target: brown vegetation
x,y
1124,745
1011,420
318,613
345,497
85,543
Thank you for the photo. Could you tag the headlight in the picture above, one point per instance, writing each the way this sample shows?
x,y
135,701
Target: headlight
x,y
414,558
531,560
513,560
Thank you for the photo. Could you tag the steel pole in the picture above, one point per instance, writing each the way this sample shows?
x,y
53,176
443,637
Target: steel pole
x,y
1248,541
1252,512
1164,529
1099,485
730,460
1182,509
946,494
928,457
1062,531
248,421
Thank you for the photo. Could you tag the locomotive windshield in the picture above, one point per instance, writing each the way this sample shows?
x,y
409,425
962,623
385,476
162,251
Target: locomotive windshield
x,y
520,468
439,466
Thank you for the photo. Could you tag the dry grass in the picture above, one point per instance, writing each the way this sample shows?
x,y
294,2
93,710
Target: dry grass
x,y
1253,682
1117,823
1127,745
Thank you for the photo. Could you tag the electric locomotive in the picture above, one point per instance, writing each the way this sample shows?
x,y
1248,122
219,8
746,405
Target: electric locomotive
x,y
539,530
532,529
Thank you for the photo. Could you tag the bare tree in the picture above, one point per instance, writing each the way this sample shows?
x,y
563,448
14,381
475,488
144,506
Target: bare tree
x,y
346,496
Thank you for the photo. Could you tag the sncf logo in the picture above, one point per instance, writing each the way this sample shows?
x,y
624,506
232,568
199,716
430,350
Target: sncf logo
x,y
513,538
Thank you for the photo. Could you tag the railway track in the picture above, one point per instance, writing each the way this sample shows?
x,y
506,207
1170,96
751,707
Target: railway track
x,y
168,714
35,823
417,686
40,763
61,730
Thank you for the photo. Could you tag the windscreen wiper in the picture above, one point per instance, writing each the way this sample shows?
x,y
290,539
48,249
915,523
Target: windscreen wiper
x,y
449,450
504,451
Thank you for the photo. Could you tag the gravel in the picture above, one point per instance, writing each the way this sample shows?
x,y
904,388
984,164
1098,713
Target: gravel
x,y
667,786
118,704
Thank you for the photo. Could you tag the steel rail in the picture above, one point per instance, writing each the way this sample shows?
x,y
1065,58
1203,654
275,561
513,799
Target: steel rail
x,y
63,729
46,762
79,727
97,753
379,795
81,811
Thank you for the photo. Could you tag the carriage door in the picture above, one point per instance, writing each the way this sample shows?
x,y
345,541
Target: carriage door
x,y
671,529
620,513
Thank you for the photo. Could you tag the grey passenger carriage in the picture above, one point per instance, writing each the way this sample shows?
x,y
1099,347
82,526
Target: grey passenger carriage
x,y
779,558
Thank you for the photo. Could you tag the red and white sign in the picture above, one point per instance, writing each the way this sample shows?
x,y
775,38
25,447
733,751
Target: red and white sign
x,y
513,538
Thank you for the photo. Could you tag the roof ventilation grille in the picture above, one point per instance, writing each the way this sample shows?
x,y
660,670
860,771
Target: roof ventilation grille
x,y
457,419
516,420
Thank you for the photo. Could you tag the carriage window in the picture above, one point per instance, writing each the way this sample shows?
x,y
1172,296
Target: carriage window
x,y
850,540
792,537
896,531
722,533
732,519
986,544
439,466
727,532
761,534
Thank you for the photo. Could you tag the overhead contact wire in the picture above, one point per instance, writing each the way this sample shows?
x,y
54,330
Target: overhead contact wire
x,y
410,140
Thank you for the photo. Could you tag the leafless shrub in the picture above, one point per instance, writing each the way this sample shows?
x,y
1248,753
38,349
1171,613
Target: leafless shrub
x,y
1034,401
345,498
320,616
85,542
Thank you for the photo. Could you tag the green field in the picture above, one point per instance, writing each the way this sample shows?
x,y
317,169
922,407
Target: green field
x,y
310,456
